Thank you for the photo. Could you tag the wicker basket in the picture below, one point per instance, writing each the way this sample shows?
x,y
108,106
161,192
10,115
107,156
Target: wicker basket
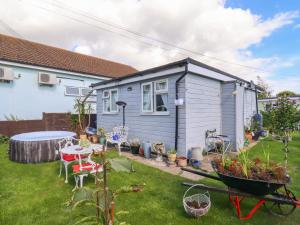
x,y
200,198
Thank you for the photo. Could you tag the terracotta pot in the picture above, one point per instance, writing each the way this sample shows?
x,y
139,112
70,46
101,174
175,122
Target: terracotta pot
x,y
141,151
95,139
181,161
249,137
172,157
83,137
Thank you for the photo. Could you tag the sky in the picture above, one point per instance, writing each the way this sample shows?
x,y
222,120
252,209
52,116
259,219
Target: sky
x,y
247,38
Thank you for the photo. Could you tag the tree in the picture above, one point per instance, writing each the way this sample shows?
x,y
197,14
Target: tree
x,y
266,90
283,120
286,94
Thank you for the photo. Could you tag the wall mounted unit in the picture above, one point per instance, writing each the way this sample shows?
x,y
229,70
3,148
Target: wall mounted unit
x,y
47,78
6,74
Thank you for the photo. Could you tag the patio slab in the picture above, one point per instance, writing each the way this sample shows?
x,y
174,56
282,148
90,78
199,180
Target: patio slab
x,y
205,165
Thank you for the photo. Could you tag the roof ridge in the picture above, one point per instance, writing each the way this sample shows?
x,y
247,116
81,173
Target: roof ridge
x,y
62,49
40,54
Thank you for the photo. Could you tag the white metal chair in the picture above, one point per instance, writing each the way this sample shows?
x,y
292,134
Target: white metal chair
x,y
117,136
66,159
82,170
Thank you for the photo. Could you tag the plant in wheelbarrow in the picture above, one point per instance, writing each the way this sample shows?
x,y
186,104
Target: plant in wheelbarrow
x,y
97,205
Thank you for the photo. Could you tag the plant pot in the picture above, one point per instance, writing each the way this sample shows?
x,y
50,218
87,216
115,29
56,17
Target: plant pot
x,y
172,157
248,136
181,161
141,151
102,140
83,137
135,149
95,139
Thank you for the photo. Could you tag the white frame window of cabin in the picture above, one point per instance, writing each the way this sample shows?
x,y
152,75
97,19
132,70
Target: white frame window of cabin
x,y
109,100
158,93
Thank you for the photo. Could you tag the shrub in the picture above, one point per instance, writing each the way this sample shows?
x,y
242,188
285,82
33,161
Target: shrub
x,y
3,139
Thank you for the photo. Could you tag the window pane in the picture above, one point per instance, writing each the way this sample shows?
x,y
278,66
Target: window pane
x,y
114,99
161,85
85,91
106,105
161,102
72,91
105,94
147,97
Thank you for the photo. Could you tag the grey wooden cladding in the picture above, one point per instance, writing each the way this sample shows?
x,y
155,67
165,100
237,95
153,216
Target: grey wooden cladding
x,y
141,125
203,108
32,151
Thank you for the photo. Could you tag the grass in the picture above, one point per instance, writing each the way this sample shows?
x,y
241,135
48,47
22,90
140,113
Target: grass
x,y
33,194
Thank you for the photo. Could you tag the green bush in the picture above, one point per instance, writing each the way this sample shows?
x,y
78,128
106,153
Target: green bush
x,y
266,119
3,139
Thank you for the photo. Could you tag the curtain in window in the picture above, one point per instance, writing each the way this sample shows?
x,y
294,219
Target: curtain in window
x,y
106,105
161,102
147,97
114,99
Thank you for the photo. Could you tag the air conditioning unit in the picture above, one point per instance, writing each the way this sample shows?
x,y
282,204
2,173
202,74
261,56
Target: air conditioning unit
x,y
6,74
47,78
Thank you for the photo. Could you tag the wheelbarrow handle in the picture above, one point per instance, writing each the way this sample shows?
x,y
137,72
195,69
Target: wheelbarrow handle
x,y
201,173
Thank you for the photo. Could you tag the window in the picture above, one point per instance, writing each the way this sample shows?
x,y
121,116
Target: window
x,y
147,99
161,96
157,96
85,91
72,91
78,91
109,99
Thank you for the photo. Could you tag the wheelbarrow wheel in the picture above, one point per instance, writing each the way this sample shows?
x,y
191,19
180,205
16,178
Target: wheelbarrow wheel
x,y
281,209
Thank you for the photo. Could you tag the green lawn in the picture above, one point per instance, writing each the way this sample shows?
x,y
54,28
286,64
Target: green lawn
x,y
33,194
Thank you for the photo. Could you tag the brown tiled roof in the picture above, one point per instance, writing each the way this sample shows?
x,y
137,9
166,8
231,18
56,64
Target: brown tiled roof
x,y
31,53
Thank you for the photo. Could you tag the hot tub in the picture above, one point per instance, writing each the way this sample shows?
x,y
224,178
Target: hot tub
x,y
35,147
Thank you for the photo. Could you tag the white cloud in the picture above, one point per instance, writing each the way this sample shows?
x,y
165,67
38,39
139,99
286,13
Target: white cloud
x,y
297,26
286,83
205,26
83,49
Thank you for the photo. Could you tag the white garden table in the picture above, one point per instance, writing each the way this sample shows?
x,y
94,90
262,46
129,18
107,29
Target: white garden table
x,y
79,150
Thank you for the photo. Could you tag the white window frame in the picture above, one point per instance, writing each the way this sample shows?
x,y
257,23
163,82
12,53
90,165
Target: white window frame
x,y
161,81
109,91
151,94
154,92
79,91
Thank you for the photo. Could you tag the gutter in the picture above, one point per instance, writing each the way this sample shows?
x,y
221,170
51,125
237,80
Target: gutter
x,y
177,107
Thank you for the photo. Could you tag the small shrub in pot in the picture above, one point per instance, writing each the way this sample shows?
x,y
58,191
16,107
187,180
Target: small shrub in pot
x,y
172,155
135,145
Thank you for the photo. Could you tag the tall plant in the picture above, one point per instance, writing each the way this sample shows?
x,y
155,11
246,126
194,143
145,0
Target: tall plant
x,y
82,110
101,198
283,119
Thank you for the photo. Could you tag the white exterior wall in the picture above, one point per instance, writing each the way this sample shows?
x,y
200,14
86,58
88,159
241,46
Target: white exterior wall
x,y
27,99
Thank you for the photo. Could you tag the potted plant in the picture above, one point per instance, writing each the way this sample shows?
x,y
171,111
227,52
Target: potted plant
x,y
248,134
172,155
135,145
82,109
181,161
101,133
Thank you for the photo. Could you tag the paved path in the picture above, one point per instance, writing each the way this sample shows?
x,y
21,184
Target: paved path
x,y
170,169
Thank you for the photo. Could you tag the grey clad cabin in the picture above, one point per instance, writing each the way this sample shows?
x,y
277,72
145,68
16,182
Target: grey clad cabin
x,y
177,103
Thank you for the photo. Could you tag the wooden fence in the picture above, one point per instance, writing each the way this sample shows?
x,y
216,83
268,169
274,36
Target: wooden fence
x,y
50,121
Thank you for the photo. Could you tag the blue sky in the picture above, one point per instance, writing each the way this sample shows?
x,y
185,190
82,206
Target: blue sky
x,y
284,42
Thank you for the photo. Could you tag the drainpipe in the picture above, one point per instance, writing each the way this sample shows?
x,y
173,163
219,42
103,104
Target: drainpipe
x,y
177,109
256,100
